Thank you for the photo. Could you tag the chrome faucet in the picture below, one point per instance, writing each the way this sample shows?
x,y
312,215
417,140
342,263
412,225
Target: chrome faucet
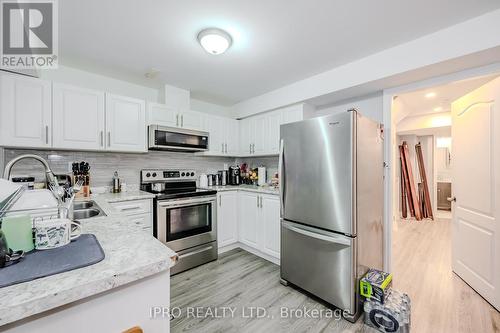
x,y
49,175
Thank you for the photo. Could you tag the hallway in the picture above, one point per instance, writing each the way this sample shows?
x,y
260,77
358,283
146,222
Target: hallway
x,y
441,301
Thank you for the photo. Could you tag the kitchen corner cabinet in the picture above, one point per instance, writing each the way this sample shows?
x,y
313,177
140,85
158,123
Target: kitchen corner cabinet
x,y
25,112
78,117
125,124
227,218
223,136
259,222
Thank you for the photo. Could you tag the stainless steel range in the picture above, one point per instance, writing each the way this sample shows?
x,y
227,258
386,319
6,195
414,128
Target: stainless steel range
x,y
185,217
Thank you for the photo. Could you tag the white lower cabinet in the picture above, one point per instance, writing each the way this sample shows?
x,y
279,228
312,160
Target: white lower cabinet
x,y
270,225
258,222
227,218
139,212
248,218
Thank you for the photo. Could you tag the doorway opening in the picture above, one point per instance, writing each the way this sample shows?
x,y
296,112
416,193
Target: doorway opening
x,y
423,202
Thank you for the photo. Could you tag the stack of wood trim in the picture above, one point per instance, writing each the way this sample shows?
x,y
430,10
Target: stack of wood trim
x,y
415,199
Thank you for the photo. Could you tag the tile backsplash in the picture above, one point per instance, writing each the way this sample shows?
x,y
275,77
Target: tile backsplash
x,y
103,164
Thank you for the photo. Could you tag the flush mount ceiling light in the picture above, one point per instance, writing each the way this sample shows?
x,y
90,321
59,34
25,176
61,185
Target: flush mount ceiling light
x,y
214,41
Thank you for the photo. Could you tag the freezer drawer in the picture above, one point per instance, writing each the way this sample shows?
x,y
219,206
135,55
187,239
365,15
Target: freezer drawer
x,y
319,262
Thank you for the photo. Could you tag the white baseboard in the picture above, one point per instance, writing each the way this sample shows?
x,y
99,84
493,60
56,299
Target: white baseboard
x,y
251,250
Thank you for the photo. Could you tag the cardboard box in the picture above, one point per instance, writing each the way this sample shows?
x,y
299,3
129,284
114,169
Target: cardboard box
x,y
375,285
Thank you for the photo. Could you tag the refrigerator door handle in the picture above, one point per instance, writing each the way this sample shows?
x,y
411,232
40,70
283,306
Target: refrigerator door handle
x,y
331,238
280,178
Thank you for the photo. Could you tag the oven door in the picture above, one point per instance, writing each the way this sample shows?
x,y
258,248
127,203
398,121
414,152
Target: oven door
x,y
187,222
171,138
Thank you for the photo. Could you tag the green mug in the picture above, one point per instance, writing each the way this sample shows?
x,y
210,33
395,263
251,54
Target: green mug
x,y
18,231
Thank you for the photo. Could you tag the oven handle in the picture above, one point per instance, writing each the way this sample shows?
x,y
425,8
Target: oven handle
x,y
195,252
178,203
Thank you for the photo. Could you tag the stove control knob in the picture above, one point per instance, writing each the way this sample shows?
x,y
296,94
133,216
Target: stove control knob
x,y
148,175
192,174
154,174
183,174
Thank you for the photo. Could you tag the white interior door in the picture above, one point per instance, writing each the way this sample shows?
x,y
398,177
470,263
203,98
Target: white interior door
x,y
476,184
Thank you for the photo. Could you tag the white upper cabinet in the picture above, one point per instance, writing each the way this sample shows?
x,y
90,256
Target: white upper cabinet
x,y
125,123
78,117
245,139
232,136
192,120
223,135
216,135
163,115
25,112
272,134
259,134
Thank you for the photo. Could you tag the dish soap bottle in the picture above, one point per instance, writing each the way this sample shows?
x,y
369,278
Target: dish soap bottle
x,y
116,183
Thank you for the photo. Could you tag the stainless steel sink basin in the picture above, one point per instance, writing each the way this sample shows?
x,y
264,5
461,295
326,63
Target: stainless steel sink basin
x,y
85,210
83,205
81,214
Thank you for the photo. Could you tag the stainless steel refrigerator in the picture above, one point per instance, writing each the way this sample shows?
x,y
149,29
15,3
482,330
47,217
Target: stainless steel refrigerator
x,y
331,179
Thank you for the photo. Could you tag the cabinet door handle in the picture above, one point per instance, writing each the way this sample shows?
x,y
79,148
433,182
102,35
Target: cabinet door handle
x,y
220,200
257,201
253,148
182,120
250,148
261,205
46,134
222,145
226,147
177,120
102,139
109,139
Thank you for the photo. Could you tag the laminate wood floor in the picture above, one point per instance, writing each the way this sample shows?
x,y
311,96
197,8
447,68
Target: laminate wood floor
x,y
441,301
241,280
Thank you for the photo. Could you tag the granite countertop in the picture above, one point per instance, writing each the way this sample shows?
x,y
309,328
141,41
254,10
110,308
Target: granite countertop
x,y
250,188
120,240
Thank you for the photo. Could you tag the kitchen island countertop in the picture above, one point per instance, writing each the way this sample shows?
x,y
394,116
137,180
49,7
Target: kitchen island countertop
x,y
131,254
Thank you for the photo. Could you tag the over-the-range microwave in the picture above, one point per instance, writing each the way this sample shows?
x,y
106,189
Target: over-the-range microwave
x,y
176,139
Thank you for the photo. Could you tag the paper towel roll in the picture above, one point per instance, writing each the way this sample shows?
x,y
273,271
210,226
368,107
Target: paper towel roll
x,y
261,172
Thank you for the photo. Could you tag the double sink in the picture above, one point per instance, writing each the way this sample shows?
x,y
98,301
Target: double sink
x,y
86,209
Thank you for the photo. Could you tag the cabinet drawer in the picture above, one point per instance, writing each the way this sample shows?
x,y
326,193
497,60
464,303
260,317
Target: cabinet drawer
x,y
143,220
133,207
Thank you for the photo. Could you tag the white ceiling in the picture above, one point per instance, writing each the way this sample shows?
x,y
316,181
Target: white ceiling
x,y
419,104
275,42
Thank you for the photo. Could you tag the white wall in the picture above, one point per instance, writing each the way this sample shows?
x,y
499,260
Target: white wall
x,y
90,80
427,121
369,106
214,109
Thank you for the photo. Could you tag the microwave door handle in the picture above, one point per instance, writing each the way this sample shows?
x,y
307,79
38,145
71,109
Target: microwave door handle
x,y
281,174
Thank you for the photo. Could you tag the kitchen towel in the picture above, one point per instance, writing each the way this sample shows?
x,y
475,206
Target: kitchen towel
x,y
84,251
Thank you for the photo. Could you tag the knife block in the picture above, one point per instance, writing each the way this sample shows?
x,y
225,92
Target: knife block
x,y
85,190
